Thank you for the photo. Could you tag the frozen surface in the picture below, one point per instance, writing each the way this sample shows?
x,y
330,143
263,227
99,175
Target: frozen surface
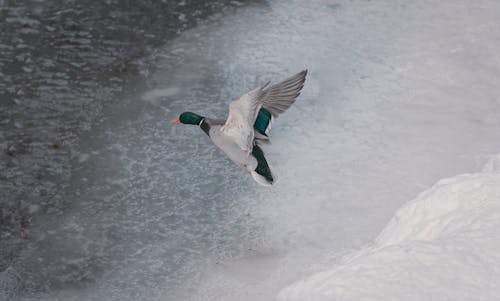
x,y
443,245
399,95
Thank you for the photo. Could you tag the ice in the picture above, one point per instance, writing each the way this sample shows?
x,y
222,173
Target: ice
x,y
156,95
392,104
398,96
442,245
83,157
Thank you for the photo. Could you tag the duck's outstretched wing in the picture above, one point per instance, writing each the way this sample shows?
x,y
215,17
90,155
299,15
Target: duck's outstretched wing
x,y
241,118
279,97
255,110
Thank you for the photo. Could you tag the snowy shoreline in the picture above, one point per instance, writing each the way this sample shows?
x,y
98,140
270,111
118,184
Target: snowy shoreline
x,y
442,245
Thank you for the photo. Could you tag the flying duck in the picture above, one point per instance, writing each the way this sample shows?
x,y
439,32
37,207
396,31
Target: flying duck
x,y
248,124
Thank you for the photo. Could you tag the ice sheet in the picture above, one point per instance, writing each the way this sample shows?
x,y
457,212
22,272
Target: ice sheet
x,y
399,95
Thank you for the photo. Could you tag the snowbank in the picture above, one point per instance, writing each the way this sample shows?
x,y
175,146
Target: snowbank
x,y
443,245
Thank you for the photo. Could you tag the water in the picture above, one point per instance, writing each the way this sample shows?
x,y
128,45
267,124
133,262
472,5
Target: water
x,y
137,209
61,64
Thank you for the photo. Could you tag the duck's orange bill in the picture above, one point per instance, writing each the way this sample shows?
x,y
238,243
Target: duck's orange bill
x,y
175,121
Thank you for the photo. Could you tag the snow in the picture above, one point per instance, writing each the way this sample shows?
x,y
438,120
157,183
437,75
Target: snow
x,y
443,245
398,96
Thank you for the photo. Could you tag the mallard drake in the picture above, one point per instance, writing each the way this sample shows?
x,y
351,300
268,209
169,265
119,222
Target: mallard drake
x,y
248,124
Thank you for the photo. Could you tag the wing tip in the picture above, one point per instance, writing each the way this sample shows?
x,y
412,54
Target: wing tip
x,y
302,74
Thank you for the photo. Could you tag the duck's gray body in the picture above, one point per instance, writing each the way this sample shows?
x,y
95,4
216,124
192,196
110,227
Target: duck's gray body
x,y
249,122
229,147
232,150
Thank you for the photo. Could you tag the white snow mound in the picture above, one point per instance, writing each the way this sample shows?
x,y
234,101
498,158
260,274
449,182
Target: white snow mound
x,y
443,245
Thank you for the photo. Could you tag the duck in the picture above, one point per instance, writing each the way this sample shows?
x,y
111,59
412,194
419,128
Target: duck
x,y
241,135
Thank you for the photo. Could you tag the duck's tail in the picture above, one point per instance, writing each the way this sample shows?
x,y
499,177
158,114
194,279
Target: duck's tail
x,y
262,173
262,180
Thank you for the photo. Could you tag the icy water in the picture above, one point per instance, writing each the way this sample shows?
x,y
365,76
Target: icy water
x,y
108,201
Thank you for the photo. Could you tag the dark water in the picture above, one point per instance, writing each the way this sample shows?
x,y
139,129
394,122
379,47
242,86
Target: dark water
x,y
61,64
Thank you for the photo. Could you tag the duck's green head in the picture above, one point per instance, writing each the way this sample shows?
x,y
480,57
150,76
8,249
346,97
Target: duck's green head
x,y
188,118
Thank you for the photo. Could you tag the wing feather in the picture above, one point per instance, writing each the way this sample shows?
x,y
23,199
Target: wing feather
x,y
243,112
279,97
